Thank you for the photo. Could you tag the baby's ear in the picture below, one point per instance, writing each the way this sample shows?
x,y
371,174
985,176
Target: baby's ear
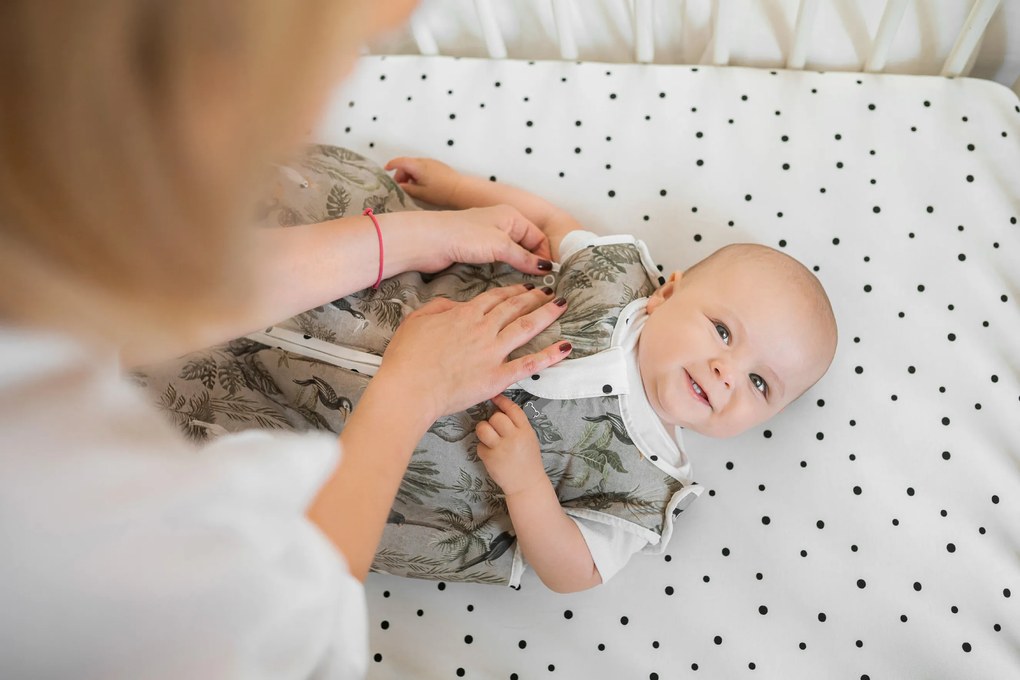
x,y
664,292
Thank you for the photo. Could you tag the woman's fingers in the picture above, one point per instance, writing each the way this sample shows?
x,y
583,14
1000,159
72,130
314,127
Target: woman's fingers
x,y
519,324
523,367
531,238
436,305
454,354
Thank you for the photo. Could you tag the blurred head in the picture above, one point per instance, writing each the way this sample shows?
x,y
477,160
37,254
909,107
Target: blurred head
x,y
733,340
132,138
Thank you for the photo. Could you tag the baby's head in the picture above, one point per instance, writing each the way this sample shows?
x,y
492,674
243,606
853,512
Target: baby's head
x,y
734,339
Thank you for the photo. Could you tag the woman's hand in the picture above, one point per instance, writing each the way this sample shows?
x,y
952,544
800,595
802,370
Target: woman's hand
x,y
474,236
452,355
508,447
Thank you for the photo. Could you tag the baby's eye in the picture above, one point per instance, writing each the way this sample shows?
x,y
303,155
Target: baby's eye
x,y
759,383
723,332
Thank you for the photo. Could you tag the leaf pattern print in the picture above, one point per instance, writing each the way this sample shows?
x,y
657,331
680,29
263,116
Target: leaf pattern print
x,y
617,428
449,519
543,425
632,501
337,202
388,304
481,490
419,481
465,534
242,409
473,279
575,279
608,261
230,376
202,368
310,325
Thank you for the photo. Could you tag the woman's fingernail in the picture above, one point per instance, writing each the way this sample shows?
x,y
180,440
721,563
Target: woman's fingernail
x,y
565,347
547,290
529,286
545,265
560,301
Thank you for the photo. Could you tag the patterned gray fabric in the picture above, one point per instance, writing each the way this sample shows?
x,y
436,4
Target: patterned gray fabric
x,y
449,520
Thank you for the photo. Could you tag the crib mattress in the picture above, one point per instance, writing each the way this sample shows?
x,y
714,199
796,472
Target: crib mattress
x,y
871,530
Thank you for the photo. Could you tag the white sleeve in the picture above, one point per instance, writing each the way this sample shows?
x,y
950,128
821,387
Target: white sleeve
x,y
130,553
575,241
611,548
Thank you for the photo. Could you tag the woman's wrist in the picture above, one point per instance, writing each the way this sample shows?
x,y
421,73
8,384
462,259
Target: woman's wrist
x,y
413,242
406,397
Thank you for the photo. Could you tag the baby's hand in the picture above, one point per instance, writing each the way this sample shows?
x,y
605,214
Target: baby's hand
x,y
426,179
509,448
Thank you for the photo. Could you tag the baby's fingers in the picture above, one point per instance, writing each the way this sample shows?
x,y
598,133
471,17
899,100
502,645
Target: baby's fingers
x,y
526,366
487,435
514,412
408,169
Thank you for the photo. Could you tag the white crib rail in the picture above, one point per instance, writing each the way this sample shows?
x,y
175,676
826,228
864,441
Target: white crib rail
x,y
564,31
891,18
970,35
723,24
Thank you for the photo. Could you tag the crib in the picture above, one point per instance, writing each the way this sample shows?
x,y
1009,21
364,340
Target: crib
x,y
872,530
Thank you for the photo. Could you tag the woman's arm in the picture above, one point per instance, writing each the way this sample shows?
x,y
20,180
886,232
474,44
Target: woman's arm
x,y
443,358
551,542
309,265
434,182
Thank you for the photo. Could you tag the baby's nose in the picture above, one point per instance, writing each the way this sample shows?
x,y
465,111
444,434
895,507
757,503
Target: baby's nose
x,y
722,373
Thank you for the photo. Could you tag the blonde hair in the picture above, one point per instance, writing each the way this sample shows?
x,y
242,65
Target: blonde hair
x,y
132,135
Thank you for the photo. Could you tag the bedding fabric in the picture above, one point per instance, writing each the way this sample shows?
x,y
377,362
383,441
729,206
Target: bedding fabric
x,y
872,529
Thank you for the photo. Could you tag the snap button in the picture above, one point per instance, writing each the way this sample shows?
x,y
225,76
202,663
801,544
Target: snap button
x,y
549,280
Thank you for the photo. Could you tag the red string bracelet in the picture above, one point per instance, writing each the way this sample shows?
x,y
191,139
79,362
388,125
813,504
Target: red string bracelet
x,y
378,231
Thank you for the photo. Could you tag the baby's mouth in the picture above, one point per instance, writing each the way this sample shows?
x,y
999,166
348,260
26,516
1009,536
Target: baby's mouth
x,y
699,392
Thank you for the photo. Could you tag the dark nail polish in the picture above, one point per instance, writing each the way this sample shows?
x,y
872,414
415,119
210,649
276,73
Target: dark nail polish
x,y
565,347
545,265
560,301
529,286
547,290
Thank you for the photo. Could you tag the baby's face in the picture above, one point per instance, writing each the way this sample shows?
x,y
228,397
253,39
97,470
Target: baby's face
x,y
727,348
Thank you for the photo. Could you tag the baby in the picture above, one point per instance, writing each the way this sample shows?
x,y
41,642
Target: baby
x,y
582,465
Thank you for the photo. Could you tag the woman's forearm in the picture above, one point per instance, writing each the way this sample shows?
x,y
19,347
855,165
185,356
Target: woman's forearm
x,y
378,440
305,266
312,264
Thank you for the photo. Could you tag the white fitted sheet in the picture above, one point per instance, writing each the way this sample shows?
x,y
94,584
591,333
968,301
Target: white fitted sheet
x,y
904,192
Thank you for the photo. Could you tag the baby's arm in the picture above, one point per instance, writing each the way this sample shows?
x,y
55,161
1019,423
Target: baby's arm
x,y
434,182
551,541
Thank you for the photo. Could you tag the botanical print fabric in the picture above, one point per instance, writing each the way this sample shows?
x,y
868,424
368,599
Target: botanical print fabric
x,y
449,520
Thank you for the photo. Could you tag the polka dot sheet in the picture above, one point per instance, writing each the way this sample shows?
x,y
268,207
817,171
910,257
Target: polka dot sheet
x,y
870,531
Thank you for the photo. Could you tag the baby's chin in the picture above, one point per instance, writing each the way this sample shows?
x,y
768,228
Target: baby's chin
x,y
715,431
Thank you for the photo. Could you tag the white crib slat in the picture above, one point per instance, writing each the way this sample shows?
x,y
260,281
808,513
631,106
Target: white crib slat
x,y
802,34
490,29
564,33
719,47
423,37
644,31
891,18
967,42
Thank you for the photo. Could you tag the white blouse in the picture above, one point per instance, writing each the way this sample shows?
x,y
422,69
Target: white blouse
x,y
128,552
